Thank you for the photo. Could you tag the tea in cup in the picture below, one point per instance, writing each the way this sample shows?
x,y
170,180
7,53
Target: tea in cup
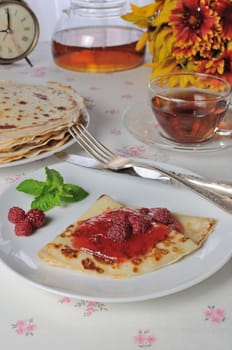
x,y
189,106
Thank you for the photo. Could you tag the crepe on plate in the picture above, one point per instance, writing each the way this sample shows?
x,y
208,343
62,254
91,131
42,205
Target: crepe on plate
x,y
35,118
61,251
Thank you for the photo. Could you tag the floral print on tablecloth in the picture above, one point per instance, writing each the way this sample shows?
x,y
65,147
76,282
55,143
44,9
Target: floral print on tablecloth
x,y
24,327
144,339
214,314
89,307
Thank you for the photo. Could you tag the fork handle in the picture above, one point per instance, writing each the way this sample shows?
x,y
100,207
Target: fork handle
x,y
219,194
218,186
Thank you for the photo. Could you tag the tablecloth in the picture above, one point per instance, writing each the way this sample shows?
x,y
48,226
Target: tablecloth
x,y
196,318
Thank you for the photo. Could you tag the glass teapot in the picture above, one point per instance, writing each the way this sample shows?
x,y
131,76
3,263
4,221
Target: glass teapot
x,y
91,36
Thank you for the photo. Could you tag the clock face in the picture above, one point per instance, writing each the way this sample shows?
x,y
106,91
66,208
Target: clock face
x,y
19,31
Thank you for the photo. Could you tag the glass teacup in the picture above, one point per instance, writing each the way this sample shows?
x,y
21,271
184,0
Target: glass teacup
x,y
189,107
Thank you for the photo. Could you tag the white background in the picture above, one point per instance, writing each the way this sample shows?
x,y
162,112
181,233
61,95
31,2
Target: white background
x,y
47,12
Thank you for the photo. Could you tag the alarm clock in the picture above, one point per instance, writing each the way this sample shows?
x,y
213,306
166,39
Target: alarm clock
x,y
19,31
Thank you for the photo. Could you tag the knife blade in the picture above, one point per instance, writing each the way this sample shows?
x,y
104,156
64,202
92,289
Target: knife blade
x,y
224,188
94,164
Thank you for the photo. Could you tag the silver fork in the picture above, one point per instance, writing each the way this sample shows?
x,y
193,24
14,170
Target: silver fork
x,y
217,192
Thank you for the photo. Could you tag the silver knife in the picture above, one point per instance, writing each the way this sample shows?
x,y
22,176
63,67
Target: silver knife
x,y
148,173
94,164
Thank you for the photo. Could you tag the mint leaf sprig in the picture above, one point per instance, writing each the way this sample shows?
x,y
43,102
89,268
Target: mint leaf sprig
x,y
52,192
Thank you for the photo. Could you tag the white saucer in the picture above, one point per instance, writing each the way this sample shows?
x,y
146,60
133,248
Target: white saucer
x,y
139,120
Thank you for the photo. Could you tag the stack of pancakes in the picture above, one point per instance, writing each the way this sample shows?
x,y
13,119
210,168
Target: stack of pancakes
x,y
35,118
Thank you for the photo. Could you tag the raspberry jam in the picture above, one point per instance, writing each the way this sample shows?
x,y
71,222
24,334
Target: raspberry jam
x,y
121,234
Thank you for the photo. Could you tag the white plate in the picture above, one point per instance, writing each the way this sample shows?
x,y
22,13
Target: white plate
x,y
139,120
40,156
47,153
20,253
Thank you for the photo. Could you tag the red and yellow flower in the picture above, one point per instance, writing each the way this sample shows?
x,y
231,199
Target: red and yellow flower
x,y
191,35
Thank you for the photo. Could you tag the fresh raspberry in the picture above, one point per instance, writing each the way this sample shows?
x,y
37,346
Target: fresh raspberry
x,y
162,215
23,228
36,217
16,214
143,211
119,231
119,215
139,223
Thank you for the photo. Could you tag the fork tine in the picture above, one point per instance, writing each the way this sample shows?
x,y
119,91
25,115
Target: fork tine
x,y
94,141
90,144
85,145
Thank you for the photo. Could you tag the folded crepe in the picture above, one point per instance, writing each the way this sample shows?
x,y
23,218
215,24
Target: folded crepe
x,y
66,249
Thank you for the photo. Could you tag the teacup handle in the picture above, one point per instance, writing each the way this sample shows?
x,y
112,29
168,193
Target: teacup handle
x,y
224,132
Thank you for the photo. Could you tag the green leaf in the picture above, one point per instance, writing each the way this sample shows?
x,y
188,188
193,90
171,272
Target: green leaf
x,y
73,193
47,201
31,186
53,178
51,192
